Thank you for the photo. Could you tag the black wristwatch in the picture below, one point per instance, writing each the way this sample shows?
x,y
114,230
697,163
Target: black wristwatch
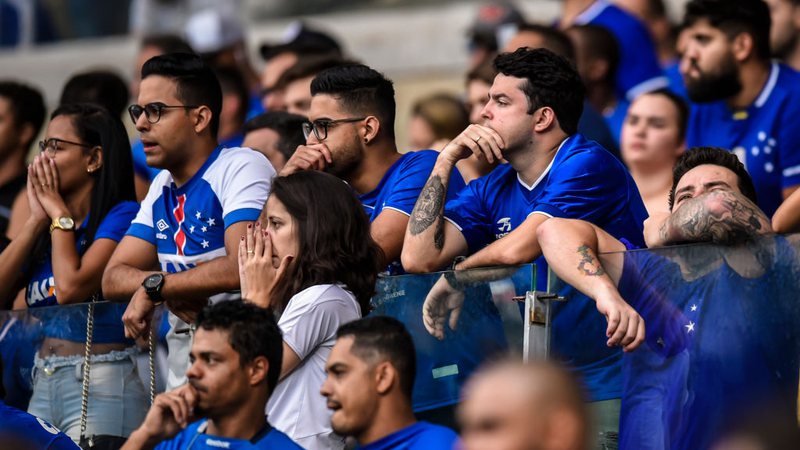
x,y
152,286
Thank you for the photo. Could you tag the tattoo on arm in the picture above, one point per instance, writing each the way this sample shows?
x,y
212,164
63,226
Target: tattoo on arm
x,y
723,217
588,265
428,210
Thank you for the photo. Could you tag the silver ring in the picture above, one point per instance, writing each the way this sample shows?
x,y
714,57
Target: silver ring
x,y
250,252
479,138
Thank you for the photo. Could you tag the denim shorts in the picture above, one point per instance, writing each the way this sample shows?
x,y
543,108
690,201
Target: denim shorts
x,y
117,402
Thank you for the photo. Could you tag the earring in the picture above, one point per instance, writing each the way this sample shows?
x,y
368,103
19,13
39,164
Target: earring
x,y
90,170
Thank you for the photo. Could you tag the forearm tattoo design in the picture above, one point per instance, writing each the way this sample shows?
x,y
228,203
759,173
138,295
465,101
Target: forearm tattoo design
x,y
588,265
428,211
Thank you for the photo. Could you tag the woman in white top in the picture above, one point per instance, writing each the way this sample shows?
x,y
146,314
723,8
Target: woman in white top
x,y
316,264
652,139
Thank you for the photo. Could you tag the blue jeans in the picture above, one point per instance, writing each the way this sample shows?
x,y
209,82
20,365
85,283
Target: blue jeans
x,y
117,400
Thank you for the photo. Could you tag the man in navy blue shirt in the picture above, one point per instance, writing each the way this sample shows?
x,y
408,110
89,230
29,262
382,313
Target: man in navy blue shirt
x,y
350,134
371,372
707,304
744,102
530,121
236,362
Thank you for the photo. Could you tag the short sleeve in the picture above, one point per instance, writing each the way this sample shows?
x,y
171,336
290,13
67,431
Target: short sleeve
x,y
244,186
314,320
469,214
577,189
790,150
142,225
117,221
412,177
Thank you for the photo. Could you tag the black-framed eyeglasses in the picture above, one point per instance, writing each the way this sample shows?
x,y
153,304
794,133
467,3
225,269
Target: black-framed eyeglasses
x,y
152,111
52,145
320,126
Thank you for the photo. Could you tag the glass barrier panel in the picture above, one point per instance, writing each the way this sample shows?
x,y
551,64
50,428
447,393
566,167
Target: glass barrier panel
x,y
457,320
722,346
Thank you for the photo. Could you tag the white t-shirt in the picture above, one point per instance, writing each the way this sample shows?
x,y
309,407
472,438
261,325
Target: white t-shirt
x,y
309,326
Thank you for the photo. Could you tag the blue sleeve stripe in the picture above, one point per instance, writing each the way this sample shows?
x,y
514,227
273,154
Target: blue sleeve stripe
x,y
241,215
142,232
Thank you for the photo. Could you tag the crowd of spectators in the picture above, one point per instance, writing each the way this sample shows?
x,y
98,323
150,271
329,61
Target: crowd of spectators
x,y
258,212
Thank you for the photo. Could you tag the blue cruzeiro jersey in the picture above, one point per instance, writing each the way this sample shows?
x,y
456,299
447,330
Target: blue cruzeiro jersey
x,y
70,323
585,182
187,224
400,187
194,437
419,436
638,70
30,431
764,136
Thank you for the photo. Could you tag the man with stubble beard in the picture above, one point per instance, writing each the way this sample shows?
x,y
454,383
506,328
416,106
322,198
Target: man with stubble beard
x,y
236,362
743,101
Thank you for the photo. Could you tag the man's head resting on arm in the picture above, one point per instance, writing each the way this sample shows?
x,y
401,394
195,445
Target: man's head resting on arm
x,y
728,170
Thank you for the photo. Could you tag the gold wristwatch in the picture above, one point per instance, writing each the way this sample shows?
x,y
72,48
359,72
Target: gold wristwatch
x,y
63,223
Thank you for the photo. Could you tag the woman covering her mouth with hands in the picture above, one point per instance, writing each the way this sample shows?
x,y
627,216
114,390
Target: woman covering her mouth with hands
x,y
312,259
81,199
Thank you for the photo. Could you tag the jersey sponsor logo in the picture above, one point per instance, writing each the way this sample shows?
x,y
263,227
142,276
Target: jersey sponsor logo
x,y
216,443
162,236
162,225
180,216
503,227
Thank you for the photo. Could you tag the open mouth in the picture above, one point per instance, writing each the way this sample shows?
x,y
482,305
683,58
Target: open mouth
x,y
149,145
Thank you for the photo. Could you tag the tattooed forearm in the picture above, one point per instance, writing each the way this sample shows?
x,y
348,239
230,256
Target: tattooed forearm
x,y
428,210
588,264
722,217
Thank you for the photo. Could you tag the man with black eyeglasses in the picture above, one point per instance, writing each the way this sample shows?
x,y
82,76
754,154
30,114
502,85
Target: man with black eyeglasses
x,y
181,248
350,134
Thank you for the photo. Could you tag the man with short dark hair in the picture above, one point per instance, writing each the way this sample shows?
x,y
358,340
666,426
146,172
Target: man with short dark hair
x,y
236,362
350,134
276,134
182,246
530,121
744,102
22,113
296,81
721,332
302,42
371,372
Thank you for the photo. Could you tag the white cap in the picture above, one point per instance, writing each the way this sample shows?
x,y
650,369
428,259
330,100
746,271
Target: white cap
x,y
211,30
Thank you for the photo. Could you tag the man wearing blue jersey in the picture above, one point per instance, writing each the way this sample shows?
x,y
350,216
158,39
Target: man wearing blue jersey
x,y
350,134
744,102
530,121
181,248
20,430
741,351
236,362
371,372
639,70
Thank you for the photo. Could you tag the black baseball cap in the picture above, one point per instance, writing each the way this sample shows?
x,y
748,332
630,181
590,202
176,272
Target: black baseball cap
x,y
301,39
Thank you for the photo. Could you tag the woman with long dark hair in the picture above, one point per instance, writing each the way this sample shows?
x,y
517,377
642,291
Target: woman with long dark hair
x,y
81,198
315,263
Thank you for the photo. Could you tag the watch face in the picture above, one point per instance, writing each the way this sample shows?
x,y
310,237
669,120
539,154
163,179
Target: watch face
x,y
66,222
152,281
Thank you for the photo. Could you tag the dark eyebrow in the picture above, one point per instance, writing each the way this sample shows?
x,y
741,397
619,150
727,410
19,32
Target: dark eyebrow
x,y
335,366
684,189
712,184
498,96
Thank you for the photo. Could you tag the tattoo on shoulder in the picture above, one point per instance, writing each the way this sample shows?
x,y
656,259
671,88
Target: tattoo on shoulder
x,y
429,208
589,265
